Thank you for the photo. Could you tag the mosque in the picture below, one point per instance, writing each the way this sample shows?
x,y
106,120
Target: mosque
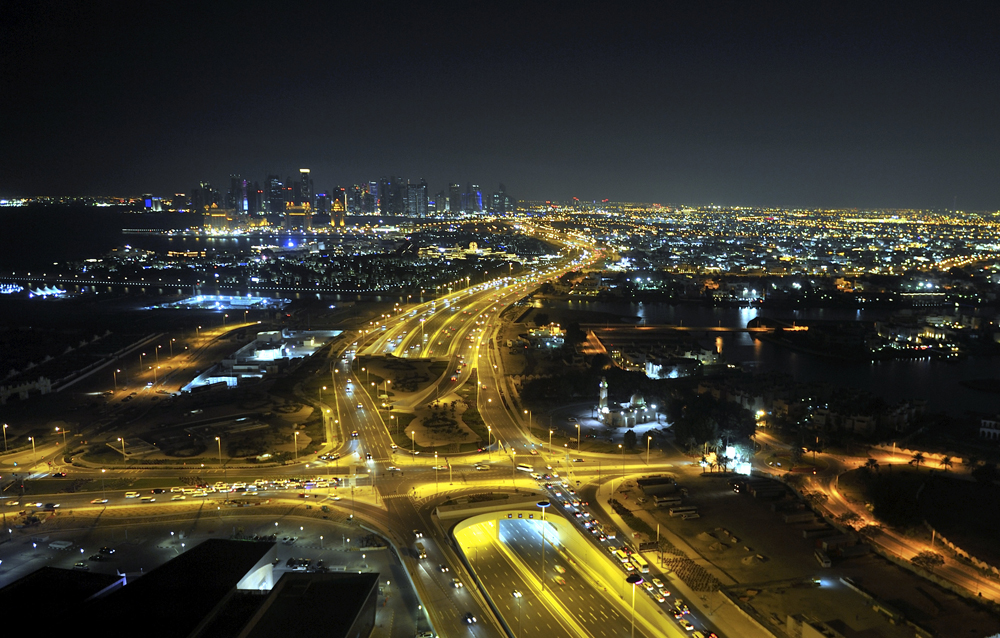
x,y
624,415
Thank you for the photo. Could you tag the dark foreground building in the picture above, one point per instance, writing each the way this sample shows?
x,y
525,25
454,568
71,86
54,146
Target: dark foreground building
x,y
218,589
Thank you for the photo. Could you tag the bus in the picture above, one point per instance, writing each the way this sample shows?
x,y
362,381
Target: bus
x,y
681,511
524,467
640,564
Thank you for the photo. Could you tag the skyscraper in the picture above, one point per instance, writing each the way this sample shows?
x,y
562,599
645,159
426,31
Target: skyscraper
x,y
275,194
454,199
416,199
305,188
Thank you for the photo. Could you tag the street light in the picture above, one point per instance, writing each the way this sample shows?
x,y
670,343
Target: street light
x,y
224,317
635,579
297,448
435,472
35,458
219,441
321,392
5,426
124,458
171,344
648,439
489,442
64,435
623,461
577,437
543,505
115,374
528,412
550,441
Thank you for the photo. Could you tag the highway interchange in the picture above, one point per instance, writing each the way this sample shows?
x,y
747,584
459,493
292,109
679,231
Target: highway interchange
x,y
397,492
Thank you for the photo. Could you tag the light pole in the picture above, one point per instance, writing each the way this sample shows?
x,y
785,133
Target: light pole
x,y
528,412
623,461
157,354
550,441
171,344
435,472
64,435
635,579
513,465
5,426
489,443
124,458
321,392
219,441
543,505
115,374
104,493
517,596
577,437
648,439
197,331
224,317
141,355
297,447
33,456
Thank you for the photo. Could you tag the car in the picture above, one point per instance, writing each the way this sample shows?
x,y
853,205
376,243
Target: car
x,y
360,406
51,506
534,452
680,606
517,593
81,566
131,494
660,598
426,634
148,499
685,625
354,434
560,569
482,468
571,419
648,586
59,474
178,497
578,460
393,468
658,583
157,490
98,557
99,501
417,534
469,618
456,583
368,456
443,568
392,445
559,580
440,467
107,550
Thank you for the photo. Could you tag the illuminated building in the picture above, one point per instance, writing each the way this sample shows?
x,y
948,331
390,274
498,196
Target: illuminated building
x,y
305,188
298,217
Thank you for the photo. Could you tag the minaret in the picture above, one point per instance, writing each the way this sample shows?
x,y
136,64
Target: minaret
x,y
602,403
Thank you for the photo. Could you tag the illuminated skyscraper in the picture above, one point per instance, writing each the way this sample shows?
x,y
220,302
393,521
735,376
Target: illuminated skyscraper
x,y
274,192
416,199
305,188
454,199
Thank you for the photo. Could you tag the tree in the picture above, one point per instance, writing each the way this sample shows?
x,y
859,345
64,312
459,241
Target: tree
x,y
918,459
946,462
629,440
871,465
928,560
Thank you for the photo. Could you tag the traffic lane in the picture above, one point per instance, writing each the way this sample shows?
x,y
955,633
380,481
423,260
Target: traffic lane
x,y
501,579
591,609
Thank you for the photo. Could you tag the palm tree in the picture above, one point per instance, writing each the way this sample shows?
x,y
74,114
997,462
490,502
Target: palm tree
x,y
871,465
918,459
946,462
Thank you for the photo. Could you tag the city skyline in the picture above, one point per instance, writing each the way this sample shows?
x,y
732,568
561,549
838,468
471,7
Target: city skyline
x,y
814,107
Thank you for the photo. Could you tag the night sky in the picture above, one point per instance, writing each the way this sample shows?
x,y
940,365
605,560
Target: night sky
x,y
812,104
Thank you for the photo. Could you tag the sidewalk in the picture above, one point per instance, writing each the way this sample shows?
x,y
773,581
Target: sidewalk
x,y
713,605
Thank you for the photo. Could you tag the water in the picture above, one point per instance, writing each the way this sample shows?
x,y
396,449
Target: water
x,y
936,381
